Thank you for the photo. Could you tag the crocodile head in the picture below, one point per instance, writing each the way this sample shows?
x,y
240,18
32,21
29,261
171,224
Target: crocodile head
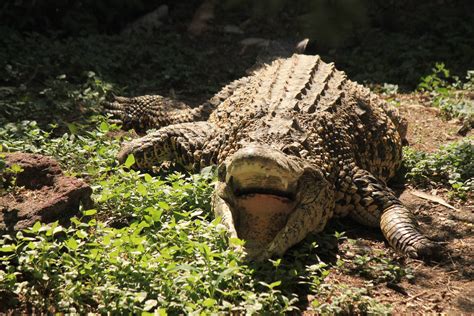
x,y
269,199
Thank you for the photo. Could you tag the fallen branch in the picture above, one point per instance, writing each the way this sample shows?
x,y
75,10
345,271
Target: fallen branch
x,y
411,298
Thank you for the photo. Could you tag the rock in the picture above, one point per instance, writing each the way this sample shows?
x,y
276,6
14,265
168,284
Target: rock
x,y
41,193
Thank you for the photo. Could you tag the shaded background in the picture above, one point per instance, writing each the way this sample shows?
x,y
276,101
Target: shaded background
x,y
55,48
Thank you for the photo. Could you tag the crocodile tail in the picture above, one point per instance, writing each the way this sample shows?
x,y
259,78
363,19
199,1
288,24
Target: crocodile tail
x,y
399,228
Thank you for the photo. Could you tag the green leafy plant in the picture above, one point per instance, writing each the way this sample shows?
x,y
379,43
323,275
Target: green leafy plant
x,y
378,268
169,256
448,93
151,244
452,166
84,150
435,81
347,300
8,174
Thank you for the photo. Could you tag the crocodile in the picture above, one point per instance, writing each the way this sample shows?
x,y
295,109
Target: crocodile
x,y
296,143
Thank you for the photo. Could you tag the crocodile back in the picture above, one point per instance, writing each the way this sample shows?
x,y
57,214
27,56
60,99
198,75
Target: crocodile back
x,y
306,107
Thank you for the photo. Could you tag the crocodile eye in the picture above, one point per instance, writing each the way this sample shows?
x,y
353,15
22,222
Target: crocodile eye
x,y
221,172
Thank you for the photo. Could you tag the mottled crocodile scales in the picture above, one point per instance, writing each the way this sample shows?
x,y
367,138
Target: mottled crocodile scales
x,y
298,131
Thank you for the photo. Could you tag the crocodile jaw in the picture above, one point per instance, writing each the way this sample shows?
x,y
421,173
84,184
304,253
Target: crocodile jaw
x,y
261,217
259,188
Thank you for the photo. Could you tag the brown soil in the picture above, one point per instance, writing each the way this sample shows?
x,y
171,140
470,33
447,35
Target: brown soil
x,y
427,130
41,193
445,285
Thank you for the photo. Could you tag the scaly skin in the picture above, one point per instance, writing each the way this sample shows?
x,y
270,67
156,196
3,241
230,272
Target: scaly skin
x,y
297,143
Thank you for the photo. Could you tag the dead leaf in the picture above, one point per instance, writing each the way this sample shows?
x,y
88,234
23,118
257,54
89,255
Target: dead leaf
x,y
432,198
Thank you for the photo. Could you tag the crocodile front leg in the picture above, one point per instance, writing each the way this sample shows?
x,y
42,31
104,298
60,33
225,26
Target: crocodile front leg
x,y
372,203
181,143
154,111
151,112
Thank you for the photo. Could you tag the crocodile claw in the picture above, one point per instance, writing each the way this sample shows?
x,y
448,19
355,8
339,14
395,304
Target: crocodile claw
x,y
425,250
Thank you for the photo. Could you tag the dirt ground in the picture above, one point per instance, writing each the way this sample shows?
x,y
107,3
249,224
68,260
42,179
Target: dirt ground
x,y
426,128
445,285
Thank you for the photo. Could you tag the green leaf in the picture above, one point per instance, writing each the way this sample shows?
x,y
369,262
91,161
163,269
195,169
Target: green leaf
x,y
9,248
75,221
149,304
272,285
164,205
81,234
155,214
72,244
161,312
50,228
89,212
130,161
141,189
140,296
73,129
148,178
276,263
209,302
234,241
224,274
58,229
107,239
16,168
36,227
104,127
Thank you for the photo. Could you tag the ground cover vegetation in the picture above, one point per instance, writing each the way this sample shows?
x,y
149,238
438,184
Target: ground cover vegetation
x,y
151,243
